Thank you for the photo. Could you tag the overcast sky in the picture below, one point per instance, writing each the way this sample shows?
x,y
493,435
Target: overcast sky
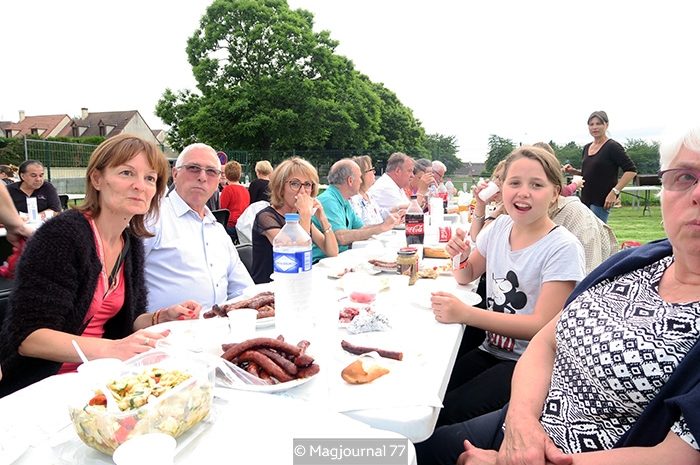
x,y
525,70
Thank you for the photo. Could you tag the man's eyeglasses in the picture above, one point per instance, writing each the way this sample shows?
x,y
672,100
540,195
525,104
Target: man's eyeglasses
x,y
296,185
679,179
196,169
371,170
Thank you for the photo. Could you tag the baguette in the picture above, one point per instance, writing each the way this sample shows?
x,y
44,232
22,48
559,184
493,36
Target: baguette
x,y
435,252
361,373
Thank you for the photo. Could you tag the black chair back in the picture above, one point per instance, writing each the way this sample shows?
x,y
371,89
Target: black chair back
x,y
245,251
64,201
222,216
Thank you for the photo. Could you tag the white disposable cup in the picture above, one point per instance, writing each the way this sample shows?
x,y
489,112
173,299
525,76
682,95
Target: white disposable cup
x,y
150,448
489,191
577,178
242,323
437,211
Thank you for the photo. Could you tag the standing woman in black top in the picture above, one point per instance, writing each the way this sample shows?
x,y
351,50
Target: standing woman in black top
x,y
602,159
259,188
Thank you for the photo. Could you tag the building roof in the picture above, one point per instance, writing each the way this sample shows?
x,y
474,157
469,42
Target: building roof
x,y
46,122
118,119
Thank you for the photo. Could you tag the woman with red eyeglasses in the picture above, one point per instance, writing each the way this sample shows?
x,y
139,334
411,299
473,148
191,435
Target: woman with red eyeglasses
x,y
293,189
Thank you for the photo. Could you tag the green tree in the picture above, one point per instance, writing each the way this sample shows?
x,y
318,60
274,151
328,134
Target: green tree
x,y
644,155
11,150
444,148
266,81
499,148
569,153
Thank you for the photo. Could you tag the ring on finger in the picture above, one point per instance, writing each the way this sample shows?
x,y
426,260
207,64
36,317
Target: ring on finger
x,y
147,341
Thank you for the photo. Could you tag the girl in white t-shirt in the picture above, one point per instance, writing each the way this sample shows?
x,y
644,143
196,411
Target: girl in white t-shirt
x,y
531,267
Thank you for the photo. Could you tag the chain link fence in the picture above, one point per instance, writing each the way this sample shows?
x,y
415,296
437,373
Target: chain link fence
x,y
66,162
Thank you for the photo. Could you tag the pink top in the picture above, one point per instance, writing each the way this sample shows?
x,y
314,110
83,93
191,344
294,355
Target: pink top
x,y
569,190
105,303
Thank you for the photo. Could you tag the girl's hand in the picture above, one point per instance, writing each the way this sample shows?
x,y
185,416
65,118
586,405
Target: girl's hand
x,y
459,245
447,308
136,343
478,188
187,310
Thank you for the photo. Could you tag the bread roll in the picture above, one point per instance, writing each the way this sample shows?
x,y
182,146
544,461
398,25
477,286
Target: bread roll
x,y
435,252
361,373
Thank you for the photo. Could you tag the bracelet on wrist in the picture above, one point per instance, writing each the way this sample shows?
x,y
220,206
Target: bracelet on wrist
x,y
478,217
155,318
328,229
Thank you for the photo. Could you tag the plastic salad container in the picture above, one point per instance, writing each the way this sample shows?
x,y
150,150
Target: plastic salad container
x,y
155,392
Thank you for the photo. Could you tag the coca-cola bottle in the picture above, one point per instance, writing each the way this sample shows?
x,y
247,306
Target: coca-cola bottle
x,y
442,192
414,223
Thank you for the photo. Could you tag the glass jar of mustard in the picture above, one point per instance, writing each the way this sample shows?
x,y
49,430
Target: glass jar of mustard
x,y
407,263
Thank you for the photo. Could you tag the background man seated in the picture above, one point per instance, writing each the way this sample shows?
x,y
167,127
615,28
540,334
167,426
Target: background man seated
x,y
344,182
388,191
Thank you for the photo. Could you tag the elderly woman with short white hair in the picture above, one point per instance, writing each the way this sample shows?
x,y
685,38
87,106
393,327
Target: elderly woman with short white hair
x,y
615,378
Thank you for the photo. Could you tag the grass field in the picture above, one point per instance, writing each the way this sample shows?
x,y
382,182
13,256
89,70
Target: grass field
x,y
629,224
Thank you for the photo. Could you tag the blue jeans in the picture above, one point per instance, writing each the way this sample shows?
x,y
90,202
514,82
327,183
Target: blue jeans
x,y
600,212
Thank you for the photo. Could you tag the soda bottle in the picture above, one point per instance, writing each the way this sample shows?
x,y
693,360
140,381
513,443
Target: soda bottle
x,y
415,228
442,192
291,258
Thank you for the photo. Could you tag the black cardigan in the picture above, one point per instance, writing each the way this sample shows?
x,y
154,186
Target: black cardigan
x,y
54,286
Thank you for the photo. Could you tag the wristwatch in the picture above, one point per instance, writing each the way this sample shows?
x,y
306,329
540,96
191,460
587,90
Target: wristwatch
x,y
616,192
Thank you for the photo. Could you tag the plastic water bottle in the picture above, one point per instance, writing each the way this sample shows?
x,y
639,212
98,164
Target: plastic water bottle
x,y
450,189
291,257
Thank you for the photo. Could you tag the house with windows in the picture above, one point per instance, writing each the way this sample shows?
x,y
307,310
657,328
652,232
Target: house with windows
x,y
108,124
43,126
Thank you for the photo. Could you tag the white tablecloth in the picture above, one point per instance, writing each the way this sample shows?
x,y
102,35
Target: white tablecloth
x,y
405,402
35,427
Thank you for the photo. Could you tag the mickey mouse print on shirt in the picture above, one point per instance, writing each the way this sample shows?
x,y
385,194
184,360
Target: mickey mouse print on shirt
x,y
507,298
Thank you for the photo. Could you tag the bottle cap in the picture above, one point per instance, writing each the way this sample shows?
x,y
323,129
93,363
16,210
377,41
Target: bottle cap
x,y
291,216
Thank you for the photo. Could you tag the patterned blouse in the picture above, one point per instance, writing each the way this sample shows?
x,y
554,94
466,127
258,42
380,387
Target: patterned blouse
x,y
617,344
368,211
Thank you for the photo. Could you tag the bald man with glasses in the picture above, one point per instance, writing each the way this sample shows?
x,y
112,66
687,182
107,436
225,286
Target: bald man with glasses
x,y
190,253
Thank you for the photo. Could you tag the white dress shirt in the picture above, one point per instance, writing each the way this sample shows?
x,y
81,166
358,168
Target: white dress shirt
x,y
387,194
190,258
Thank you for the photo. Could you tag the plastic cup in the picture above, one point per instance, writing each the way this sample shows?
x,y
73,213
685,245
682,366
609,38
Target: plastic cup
x,y
577,178
150,448
489,191
242,323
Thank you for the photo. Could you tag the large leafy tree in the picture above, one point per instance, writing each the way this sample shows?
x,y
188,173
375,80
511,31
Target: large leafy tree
x,y
499,148
266,80
444,148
